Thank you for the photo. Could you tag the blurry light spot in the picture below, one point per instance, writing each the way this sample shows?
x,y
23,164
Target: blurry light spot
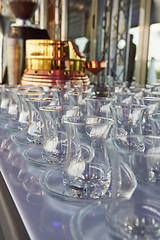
x,y
57,224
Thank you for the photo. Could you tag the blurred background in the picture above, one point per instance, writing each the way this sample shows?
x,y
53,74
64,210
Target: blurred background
x,y
124,33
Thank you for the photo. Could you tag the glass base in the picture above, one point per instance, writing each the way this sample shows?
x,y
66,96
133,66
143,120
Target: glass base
x,y
12,126
21,139
89,222
52,183
33,157
93,183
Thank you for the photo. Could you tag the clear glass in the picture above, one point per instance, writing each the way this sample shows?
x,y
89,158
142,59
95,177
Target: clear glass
x,y
140,152
128,118
152,103
89,223
99,106
5,97
152,106
134,219
36,126
86,172
126,98
23,120
76,85
13,105
52,152
60,94
155,93
52,183
155,123
55,138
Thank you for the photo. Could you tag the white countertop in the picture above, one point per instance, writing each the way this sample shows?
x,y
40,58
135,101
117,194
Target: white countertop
x,y
43,217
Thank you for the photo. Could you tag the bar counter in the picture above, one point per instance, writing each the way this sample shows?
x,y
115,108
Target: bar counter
x,y
26,211
39,216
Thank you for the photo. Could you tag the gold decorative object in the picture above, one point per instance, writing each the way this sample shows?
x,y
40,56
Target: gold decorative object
x,y
50,62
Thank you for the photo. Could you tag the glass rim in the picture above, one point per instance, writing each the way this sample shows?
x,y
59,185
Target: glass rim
x,y
118,209
129,106
95,98
40,99
149,98
153,115
29,93
58,89
154,92
76,93
57,108
82,123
